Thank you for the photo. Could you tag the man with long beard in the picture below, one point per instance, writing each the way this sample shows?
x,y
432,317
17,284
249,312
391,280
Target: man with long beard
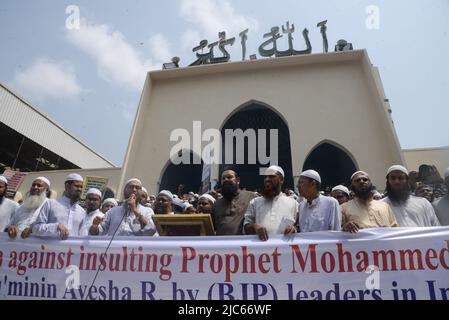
x,y
62,218
273,213
7,206
363,211
410,211
129,219
229,211
27,213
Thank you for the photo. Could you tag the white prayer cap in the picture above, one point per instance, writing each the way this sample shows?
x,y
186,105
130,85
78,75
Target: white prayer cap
x,y
3,179
357,173
43,179
446,174
167,194
312,174
110,200
341,188
208,197
274,170
94,191
74,177
133,180
178,202
145,190
377,193
397,168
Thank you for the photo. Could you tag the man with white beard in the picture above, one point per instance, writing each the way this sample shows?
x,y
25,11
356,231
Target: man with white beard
x,y
27,213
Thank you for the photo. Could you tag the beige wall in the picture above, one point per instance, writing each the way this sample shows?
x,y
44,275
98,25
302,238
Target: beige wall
x,y
431,156
322,97
57,178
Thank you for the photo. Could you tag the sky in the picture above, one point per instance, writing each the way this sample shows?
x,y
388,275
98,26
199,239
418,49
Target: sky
x,y
88,73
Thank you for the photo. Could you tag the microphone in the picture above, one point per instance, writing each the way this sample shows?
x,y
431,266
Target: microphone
x,y
128,209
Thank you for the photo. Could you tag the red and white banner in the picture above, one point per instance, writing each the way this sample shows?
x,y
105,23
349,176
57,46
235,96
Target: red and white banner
x,y
394,264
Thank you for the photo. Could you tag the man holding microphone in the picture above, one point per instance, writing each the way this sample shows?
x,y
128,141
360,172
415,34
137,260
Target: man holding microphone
x,y
129,219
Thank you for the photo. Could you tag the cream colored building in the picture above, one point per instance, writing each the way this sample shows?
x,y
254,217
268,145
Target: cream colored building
x,y
330,108
334,100
430,156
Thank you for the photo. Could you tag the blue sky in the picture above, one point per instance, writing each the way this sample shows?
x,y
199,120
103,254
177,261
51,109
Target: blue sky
x,y
90,80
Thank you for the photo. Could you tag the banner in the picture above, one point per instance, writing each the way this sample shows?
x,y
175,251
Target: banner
x,y
99,183
375,264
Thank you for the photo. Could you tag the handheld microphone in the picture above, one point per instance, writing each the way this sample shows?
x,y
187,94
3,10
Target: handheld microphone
x,y
128,209
127,213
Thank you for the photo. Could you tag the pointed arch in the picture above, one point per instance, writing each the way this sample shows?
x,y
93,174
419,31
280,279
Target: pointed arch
x,y
256,103
257,115
333,161
189,175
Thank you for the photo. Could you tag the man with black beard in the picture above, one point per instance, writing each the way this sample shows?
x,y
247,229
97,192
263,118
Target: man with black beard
x,y
62,218
363,211
7,206
410,211
274,212
27,213
229,211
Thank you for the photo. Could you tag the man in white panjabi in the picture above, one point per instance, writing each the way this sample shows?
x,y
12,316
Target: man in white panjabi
x,y
128,219
62,218
274,212
27,213
317,212
93,201
7,206
410,211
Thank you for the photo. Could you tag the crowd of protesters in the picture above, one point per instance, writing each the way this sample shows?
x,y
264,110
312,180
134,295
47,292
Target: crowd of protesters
x,y
409,199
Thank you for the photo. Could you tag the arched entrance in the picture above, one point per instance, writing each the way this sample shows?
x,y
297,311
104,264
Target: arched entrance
x,y
257,116
332,162
182,178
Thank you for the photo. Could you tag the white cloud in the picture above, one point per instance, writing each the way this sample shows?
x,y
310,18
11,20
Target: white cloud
x,y
49,79
117,61
213,16
190,39
128,112
160,48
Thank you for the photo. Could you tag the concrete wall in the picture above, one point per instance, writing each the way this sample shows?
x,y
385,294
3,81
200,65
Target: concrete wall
x,y
333,97
431,156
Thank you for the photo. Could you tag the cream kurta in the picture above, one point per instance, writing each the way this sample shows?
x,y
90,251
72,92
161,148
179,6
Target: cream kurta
x,y
374,214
